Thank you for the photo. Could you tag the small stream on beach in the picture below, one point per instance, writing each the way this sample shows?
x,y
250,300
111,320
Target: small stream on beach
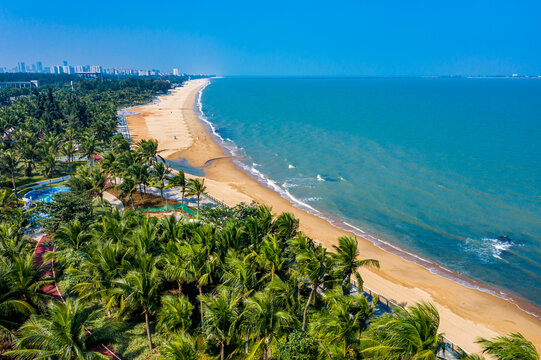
x,y
448,169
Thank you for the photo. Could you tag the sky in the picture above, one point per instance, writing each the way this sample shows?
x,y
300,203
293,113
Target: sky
x,y
305,38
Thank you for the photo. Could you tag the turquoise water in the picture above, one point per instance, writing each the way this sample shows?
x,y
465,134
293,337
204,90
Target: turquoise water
x,y
448,169
46,195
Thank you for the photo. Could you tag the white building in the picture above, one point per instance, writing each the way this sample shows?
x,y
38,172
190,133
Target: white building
x,y
176,72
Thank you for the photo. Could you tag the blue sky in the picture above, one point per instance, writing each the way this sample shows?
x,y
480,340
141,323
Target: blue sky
x,y
279,37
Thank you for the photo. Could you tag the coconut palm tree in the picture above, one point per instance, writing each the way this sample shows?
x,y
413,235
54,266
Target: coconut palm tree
x,y
147,151
73,235
87,147
178,180
8,202
67,332
29,153
25,279
140,287
346,263
9,308
287,226
239,274
509,347
127,188
175,313
404,334
98,182
196,187
271,256
48,163
140,174
182,347
198,268
159,173
9,161
222,313
340,325
96,272
264,321
68,150
315,266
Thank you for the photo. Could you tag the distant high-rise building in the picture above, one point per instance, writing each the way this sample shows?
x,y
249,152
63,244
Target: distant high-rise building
x,y
95,69
79,69
64,63
57,69
67,69
1,70
21,68
39,66
175,72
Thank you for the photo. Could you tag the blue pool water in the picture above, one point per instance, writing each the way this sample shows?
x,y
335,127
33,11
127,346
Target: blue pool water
x,y
46,195
448,169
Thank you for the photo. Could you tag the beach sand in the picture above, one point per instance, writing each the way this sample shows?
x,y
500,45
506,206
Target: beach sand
x,y
466,313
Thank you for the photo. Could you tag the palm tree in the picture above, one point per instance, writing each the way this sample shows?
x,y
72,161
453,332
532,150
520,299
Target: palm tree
x,y
178,180
9,160
286,225
96,272
141,285
315,266
127,188
346,263
48,162
88,147
67,332
159,173
239,274
510,347
29,153
98,182
175,313
73,235
222,313
264,321
196,187
68,149
25,279
405,334
182,347
9,308
8,203
147,150
339,326
198,267
271,256
140,175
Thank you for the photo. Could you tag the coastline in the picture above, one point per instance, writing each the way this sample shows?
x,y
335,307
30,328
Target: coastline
x,y
465,312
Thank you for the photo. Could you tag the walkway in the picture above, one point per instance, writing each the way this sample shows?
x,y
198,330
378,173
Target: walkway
x,y
113,200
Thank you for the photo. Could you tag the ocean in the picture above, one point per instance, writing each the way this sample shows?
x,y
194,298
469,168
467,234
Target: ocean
x,y
446,169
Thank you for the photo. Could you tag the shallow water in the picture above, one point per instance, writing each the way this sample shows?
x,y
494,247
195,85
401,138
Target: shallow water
x,y
449,169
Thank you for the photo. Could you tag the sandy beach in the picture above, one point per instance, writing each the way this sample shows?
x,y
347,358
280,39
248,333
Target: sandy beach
x,y
465,313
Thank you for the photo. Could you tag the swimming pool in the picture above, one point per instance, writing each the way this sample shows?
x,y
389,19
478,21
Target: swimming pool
x,y
45,195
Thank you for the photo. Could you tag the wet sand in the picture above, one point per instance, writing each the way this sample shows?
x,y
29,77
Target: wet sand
x,y
466,313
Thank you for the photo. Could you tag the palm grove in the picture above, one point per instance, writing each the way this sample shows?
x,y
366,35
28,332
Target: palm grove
x,y
235,283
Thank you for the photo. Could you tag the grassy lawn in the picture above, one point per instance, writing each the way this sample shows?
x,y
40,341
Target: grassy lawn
x,y
131,341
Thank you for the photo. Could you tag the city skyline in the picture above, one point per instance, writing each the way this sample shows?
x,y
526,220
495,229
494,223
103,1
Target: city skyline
x,y
66,68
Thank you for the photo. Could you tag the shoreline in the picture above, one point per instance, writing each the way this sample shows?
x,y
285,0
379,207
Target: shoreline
x,y
466,312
